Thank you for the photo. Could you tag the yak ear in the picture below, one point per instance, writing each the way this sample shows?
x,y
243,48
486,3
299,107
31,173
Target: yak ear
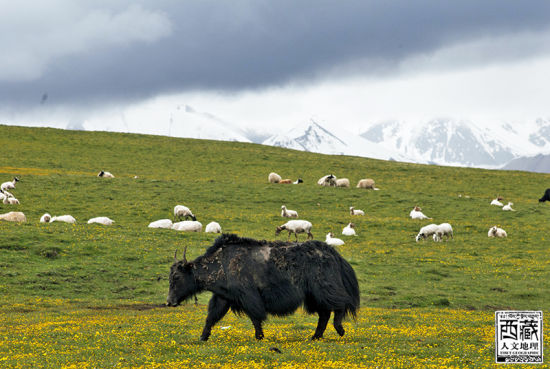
x,y
185,252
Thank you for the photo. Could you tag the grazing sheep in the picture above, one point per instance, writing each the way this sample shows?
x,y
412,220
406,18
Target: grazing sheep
x,y
101,220
426,231
349,230
328,181
367,184
274,178
105,175
497,202
45,218
213,227
13,216
298,181
342,182
546,196
496,232
353,211
416,213
181,211
286,213
162,223
188,226
63,218
444,229
296,226
9,184
508,207
330,240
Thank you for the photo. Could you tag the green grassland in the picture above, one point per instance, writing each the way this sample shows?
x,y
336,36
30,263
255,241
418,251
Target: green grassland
x,y
90,296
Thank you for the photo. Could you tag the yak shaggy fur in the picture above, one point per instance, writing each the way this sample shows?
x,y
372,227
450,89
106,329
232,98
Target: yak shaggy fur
x,y
260,277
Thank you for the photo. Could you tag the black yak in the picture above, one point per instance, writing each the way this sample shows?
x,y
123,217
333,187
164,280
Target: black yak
x,y
546,196
260,277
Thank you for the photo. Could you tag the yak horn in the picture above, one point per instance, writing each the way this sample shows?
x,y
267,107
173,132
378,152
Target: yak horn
x,y
175,256
184,252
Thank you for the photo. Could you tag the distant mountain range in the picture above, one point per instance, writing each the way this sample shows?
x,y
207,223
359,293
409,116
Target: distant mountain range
x,y
441,141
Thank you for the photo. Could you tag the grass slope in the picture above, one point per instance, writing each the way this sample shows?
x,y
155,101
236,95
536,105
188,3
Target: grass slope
x,y
92,272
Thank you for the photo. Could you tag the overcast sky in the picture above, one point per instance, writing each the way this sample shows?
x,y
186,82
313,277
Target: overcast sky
x,y
268,64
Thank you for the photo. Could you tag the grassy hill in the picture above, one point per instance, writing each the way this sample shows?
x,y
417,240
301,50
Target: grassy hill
x,y
119,273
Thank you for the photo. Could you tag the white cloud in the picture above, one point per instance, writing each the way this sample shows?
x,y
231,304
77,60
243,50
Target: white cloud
x,y
34,34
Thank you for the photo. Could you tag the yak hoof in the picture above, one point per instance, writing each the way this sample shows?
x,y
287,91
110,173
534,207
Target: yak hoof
x,y
260,337
316,337
340,331
204,338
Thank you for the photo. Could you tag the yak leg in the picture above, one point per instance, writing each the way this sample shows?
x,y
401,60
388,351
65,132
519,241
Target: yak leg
x,y
217,308
259,332
338,317
324,316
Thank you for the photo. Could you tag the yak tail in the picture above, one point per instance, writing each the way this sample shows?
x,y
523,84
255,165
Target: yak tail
x,y
352,287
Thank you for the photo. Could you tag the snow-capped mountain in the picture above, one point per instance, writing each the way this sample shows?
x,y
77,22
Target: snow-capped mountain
x,y
461,142
312,136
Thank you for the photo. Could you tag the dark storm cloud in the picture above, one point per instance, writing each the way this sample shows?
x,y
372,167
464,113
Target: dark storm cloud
x,y
251,44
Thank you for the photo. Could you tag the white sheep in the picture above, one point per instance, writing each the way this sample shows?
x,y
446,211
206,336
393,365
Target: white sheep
x,y
9,184
274,178
349,230
353,211
342,182
496,232
45,218
444,229
101,220
496,201
213,227
367,184
296,226
426,231
105,175
161,223
286,213
63,218
508,207
188,226
10,200
330,240
416,213
329,181
181,211
13,216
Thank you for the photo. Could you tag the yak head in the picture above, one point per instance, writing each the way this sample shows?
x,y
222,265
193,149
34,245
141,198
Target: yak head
x,y
182,281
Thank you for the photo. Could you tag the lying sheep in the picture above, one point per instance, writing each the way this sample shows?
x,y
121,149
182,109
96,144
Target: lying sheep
x,y
508,207
426,232
13,216
497,202
330,240
367,184
9,184
274,178
188,226
161,223
101,220
342,182
45,218
213,227
105,175
329,181
444,229
286,213
349,230
495,231
289,181
353,211
296,226
63,218
10,201
181,211
416,213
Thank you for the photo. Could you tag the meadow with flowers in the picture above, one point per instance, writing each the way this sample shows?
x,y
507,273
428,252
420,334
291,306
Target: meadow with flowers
x,y
90,296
